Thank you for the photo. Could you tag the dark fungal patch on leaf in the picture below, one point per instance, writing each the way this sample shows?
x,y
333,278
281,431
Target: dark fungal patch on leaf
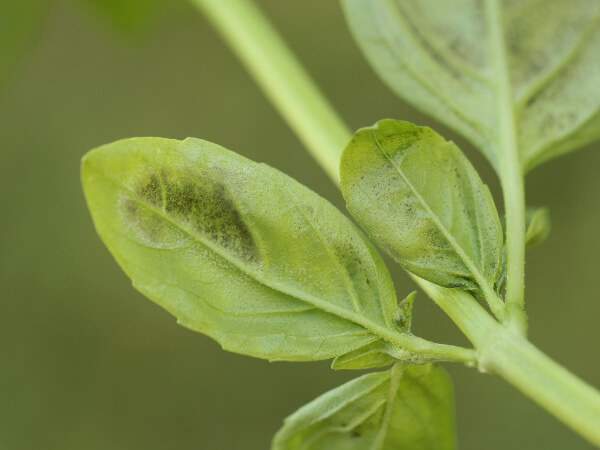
x,y
436,239
354,434
194,203
355,261
149,227
350,258
152,190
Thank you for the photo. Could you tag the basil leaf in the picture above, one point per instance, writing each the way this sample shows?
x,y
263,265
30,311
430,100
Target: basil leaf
x,y
407,407
538,226
420,200
477,66
237,250
381,353
376,354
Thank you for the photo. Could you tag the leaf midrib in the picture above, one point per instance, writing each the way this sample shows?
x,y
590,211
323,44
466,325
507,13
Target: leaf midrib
x,y
333,258
476,126
459,250
396,373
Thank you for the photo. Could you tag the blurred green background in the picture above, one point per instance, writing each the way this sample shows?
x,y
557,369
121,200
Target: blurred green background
x,y
87,363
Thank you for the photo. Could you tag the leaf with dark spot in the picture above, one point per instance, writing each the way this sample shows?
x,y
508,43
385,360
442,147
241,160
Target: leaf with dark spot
x,y
238,250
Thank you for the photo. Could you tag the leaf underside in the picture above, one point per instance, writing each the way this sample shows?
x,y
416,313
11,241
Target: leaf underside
x,y
421,201
375,354
440,56
237,250
405,408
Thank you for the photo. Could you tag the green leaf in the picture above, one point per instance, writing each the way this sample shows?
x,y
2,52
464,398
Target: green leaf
x,y
238,250
375,354
407,407
420,200
479,66
19,20
381,353
538,226
403,314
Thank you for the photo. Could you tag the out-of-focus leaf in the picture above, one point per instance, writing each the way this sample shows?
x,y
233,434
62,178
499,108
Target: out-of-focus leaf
x,y
538,226
405,408
482,66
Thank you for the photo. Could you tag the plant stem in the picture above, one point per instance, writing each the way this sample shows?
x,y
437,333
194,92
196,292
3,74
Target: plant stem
x,y
411,347
285,82
503,351
560,392
468,315
511,173
500,349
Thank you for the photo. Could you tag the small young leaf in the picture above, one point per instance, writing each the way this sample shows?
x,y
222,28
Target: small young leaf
x,y
237,250
475,65
403,314
375,354
407,407
538,226
381,353
420,199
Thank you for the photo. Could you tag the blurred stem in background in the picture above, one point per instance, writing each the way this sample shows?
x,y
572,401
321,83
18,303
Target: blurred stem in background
x,y
501,350
283,79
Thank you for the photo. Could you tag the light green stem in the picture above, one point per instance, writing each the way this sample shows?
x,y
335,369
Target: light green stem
x,y
504,351
560,392
511,173
285,82
468,315
422,351
501,349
